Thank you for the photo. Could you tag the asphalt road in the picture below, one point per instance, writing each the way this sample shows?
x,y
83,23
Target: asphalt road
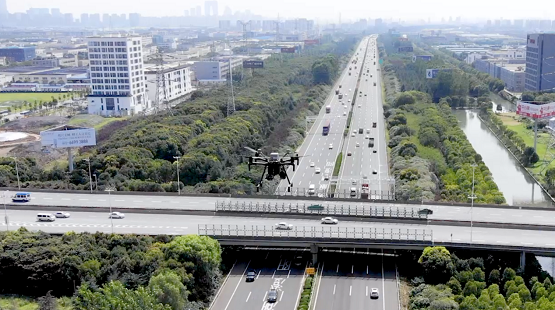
x,y
316,147
347,281
363,162
139,223
278,270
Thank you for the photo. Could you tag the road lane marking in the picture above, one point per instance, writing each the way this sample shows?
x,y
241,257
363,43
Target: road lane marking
x,y
334,289
366,290
66,199
366,269
350,289
47,198
281,295
155,201
337,271
352,268
288,273
248,297
274,273
264,298
237,286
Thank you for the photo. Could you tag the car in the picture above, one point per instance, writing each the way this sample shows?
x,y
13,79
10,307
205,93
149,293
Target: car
x,y
358,144
317,170
62,215
359,105
283,226
354,131
367,130
349,100
352,135
345,113
367,137
353,182
326,177
348,153
374,171
251,276
312,164
329,220
344,107
117,215
365,95
272,295
374,293
298,260
374,151
349,89
331,146
366,80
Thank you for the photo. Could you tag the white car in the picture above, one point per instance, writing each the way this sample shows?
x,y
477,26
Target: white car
x,y
62,215
317,170
352,135
117,215
312,164
374,293
358,144
283,226
349,100
367,137
374,172
326,177
331,147
344,113
359,105
329,220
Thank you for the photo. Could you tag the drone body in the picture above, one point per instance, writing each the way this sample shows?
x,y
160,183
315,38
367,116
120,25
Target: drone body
x,y
273,165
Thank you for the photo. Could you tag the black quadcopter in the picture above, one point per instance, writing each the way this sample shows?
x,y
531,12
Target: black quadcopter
x,y
274,164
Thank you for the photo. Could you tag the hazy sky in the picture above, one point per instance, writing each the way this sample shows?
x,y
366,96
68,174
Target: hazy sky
x,y
323,10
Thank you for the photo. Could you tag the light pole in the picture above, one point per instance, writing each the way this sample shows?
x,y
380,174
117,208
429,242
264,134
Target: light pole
x,y
17,172
177,167
110,190
95,182
472,197
90,176
6,211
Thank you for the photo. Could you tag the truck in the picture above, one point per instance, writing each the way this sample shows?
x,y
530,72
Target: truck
x,y
339,85
365,189
371,142
374,125
337,91
374,82
326,128
341,95
328,109
360,130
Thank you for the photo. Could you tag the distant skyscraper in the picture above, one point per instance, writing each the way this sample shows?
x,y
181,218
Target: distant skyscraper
x,y
3,8
211,8
198,11
540,66
84,19
55,12
134,19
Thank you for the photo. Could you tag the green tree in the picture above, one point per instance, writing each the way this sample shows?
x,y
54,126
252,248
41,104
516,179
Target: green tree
x,y
508,274
478,275
169,289
454,285
529,157
48,302
437,264
494,277
114,296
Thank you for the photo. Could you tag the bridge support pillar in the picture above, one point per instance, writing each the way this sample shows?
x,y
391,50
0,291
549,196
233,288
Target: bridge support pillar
x,y
314,252
522,260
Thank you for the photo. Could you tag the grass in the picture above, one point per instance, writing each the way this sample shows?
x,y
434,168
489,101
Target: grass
x,y
25,303
8,99
95,121
337,164
404,293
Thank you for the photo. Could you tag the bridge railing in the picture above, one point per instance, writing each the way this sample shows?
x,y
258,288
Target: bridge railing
x,y
321,209
307,232
338,193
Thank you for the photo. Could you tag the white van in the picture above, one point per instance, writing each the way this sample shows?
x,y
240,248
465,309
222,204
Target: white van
x,y
353,191
312,189
46,217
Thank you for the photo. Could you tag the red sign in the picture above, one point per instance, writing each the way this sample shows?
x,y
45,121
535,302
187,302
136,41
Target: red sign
x,y
311,42
535,110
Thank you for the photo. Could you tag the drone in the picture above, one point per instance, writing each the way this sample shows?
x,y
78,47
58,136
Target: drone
x,y
273,164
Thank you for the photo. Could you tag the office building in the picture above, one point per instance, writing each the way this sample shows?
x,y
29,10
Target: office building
x,y
18,54
176,82
117,76
3,8
513,75
211,8
215,70
52,61
540,62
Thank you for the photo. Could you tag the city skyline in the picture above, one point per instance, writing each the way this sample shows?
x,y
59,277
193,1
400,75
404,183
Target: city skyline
x,y
349,10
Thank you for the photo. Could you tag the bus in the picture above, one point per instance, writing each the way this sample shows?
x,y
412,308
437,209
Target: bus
x,y
328,109
326,128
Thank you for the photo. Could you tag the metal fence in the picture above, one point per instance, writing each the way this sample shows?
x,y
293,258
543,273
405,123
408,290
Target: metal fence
x,y
360,233
303,208
338,193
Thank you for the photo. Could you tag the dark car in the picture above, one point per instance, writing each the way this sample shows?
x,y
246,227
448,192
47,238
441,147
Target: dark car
x,y
251,275
298,260
272,295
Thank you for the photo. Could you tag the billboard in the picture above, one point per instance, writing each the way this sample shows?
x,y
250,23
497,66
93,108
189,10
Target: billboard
x,y
68,138
311,42
432,73
421,57
535,110
253,64
288,50
405,49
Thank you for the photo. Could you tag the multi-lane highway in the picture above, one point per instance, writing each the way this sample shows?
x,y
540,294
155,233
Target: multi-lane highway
x,y
361,160
320,151
348,279
141,223
279,270
197,203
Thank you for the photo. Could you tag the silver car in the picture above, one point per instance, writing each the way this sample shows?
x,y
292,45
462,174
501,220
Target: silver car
x,y
283,226
62,215
117,215
329,220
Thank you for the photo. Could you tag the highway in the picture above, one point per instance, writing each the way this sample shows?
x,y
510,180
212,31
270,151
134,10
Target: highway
x,y
141,223
347,280
363,162
153,202
277,270
316,146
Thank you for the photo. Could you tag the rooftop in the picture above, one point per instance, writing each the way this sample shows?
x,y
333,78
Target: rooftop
x,y
25,69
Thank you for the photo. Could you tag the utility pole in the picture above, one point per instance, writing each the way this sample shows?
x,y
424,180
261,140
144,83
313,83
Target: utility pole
x,y
110,190
177,166
17,173
231,99
472,197
90,175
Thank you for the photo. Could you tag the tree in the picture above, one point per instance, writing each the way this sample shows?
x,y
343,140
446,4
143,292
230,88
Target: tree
x,y
403,99
478,275
494,277
48,302
437,264
114,296
529,157
508,274
169,289
455,286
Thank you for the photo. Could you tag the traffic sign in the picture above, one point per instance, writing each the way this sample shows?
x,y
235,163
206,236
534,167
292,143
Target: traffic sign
x,y
310,271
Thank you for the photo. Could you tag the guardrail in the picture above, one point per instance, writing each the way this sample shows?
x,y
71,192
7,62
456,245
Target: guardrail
x,y
303,208
360,233
345,193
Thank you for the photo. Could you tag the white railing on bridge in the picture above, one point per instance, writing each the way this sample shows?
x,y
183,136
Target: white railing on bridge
x,y
307,232
316,208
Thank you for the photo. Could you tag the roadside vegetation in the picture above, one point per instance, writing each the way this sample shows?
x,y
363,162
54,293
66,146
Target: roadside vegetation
x,y
304,302
431,158
100,271
138,154
476,280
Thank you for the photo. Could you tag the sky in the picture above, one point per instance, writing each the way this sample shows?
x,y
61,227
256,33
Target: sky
x,y
323,10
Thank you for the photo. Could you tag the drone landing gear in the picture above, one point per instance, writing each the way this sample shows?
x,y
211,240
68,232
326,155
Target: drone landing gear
x,y
259,185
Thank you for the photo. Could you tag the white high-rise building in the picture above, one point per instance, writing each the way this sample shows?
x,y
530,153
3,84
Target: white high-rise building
x,y
117,76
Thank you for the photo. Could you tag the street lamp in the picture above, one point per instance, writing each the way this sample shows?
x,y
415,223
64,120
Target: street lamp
x,y
177,167
110,190
95,182
90,176
472,197
6,211
17,172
